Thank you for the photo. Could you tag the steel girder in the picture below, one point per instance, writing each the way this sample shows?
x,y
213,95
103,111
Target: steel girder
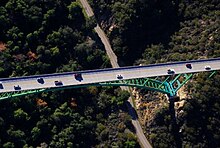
x,y
166,86
19,93
35,91
170,85
145,83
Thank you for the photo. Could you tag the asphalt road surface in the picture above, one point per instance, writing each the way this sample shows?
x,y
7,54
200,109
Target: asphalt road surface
x,y
104,75
97,76
87,8
109,51
114,62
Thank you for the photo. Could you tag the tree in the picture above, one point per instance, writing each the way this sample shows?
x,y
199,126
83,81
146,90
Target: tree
x,y
91,23
75,13
122,97
21,115
17,136
35,132
4,20
9,145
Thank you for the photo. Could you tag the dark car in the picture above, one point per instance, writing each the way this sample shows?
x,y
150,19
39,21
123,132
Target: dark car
x,y
78,76
207,67
58,83
17,87
119,77
189,66
1,86
170,71
40,80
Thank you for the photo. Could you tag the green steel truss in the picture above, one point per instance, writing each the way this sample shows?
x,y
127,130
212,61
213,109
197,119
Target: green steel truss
x,y
167,85
19,93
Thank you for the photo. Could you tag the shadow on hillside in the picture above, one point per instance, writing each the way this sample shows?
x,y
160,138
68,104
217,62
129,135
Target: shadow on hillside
x,y
155,24
133,114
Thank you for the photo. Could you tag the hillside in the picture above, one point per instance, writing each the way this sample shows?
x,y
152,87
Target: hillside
x,y
45,36
144,32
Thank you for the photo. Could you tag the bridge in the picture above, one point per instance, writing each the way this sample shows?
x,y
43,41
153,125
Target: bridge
x,y
170,77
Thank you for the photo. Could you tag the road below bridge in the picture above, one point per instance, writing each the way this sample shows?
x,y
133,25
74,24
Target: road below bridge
x,y
114,62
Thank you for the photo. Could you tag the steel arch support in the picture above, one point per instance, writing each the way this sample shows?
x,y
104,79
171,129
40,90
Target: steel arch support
x,y
167,86
178,82
19,93
149,84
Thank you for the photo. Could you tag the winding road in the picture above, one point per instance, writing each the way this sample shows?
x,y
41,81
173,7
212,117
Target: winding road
x,y
113,59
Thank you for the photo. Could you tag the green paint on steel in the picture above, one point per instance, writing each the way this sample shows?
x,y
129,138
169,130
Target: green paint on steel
x,y
214,72
164,81
175,79
19,93
174,89
151,85
35,91
167,86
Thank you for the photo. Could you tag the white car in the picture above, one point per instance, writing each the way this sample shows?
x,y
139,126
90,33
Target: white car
x,y
207,67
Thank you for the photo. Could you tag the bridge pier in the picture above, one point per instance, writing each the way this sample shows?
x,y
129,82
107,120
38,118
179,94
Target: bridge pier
x,y
174,125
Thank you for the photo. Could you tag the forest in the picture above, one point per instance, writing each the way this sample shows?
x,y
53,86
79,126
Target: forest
x,y
144,32
46,36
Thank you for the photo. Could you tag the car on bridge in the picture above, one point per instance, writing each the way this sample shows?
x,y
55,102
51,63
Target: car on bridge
x,y
17,87
40,80
188,65
78,76
58,83
207,67
170,71
1,85
119,77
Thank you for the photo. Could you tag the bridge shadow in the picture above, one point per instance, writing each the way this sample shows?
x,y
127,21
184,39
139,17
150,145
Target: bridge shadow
x,y
132,112
155,29
174,125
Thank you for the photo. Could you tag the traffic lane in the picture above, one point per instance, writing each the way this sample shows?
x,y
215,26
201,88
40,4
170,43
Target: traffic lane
x,y
27,84
87,8
108,48
96,77
176,68
169,65
92,78
138,129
